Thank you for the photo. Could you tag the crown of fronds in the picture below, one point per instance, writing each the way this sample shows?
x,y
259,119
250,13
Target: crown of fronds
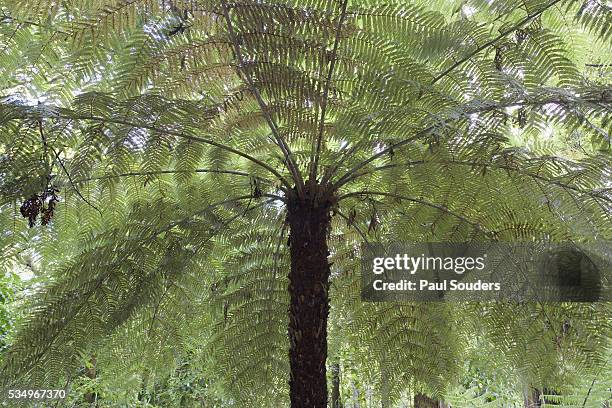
x,y
171,133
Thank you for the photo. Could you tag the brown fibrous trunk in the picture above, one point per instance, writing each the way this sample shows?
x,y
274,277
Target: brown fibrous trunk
x,y
309,225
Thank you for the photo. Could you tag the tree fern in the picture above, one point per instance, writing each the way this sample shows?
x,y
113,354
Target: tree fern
x,y
208,156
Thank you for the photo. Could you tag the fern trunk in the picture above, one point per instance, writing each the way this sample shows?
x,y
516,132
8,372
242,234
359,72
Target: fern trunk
x,y
309,303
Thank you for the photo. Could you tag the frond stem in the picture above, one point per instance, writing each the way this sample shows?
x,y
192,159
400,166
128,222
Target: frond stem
x,y
343,180
330,72
481,165
352,224
280,141
486,108
153,173
61,164
72,184
442,208
504,33
184,136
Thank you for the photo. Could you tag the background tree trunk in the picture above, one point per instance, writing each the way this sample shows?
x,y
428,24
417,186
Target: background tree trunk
x,y
309,303
385,401
335,396
91,373
536,398
423,401
355,396
532,400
